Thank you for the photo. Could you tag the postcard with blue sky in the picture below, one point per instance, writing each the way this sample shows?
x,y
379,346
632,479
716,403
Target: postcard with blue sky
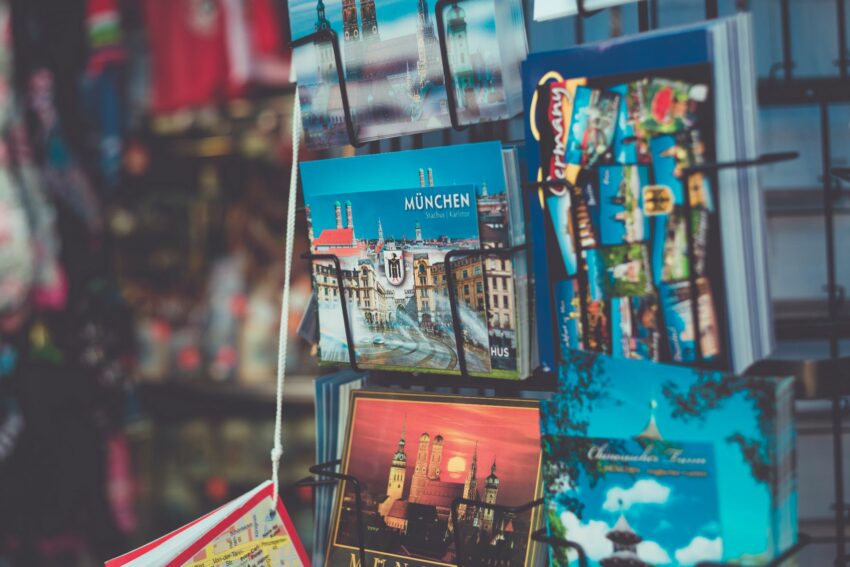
x,y
639,501
603,397
429,173
392,246
393,66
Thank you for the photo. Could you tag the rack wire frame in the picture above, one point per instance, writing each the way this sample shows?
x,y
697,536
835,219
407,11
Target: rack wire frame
x,y
820,379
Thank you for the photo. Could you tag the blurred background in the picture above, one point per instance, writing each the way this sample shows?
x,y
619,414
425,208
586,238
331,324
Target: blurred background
x,y
144,166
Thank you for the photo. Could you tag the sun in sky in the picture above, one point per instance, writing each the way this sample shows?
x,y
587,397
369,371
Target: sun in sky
x,y
456,466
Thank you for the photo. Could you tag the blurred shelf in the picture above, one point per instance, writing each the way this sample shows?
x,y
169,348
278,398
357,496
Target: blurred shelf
x,y
803,202
802,91
176,399
809,319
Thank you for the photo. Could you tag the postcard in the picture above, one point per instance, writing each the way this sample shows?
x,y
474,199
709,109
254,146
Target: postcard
x,y
629,219
636,501
487,286
608,410
413,455
393,249
393,67
550,9
592,126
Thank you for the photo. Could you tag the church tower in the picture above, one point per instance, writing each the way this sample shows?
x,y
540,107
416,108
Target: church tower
x,y
349,219
425,42
419,233
395,481
369,19
491,490
420,473
309,225
380,233
436,460
458,51
350,22
325,55
470,485
338,214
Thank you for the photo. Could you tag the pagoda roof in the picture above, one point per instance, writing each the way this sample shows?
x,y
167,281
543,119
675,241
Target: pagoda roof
x,y
623,533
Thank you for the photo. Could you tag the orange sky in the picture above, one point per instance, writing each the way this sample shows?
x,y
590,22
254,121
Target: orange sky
x,y
511,435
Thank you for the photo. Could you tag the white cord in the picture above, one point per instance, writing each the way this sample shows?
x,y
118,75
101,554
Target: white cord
x,y
277,450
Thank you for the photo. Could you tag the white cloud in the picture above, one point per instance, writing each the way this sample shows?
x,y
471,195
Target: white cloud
x,y
591,535
700,549
645,491
653,553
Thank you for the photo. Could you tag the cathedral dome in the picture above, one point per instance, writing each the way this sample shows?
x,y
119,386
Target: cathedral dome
x,y
424,437
438,439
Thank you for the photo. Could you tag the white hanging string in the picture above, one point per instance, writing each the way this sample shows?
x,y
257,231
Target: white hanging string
x,y
277,450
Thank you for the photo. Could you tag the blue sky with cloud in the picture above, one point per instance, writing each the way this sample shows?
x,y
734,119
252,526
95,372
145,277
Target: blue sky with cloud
x,y
652,505
745,503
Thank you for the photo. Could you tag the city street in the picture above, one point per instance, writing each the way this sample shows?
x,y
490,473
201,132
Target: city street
x,y
406,347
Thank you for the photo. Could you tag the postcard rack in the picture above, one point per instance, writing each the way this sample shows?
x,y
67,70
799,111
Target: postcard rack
x,y
540,380
827,379
325,475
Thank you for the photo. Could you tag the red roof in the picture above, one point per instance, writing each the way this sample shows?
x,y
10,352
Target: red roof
x,y
344,252
335,237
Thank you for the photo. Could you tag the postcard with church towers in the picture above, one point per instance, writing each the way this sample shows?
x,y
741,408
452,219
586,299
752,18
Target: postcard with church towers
x,y
632,448
414,456
407,229
393,67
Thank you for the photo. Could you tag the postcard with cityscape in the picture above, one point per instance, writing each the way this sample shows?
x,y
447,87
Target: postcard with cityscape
x,y
486,286
392,247
641,501
393,68
629,226
668,414
414,455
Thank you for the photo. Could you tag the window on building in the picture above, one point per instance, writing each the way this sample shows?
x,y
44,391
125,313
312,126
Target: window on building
x,y
465,274
477,270
466,289
479,287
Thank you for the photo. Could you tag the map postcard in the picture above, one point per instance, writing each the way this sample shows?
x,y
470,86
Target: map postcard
x,y
414,455
392,247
